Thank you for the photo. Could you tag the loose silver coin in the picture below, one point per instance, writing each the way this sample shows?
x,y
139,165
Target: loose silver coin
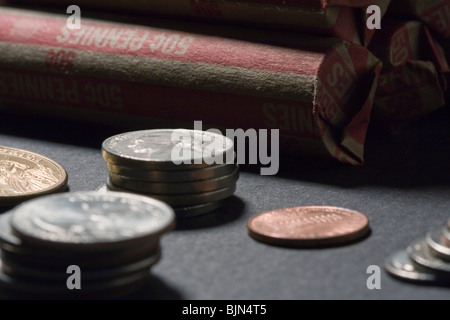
x,y
421,254
168,149
91,221
401,266
437,247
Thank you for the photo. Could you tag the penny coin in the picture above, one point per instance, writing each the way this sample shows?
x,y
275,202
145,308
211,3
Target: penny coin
x,y
183,200
175,187
25,175
91,221
308,226
172,176
401,266
168,149
420,253
437,246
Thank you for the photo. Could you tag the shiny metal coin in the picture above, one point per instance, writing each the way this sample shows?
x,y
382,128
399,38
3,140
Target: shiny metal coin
x,y
401,266
168,149
91,221
193,211
89,260
175,187
211,172
58,274
119,287
185,200
437,247
421,254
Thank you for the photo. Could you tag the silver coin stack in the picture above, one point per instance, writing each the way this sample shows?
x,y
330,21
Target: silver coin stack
x,y
192,171
111,240
426,260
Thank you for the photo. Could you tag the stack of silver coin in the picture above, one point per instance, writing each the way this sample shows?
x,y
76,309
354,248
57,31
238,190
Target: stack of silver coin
x,y
192,171
81,244
426,260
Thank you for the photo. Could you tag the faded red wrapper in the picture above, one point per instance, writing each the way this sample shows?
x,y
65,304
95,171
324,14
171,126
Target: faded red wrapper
x,y
307,16
406,93
411,84
318,92
400,41
435,13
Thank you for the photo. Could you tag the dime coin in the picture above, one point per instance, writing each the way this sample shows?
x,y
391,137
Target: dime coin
x,y
172,176
160,149
401,266
420,253
183,200
91,221
175,187
309,226
25,175
437,247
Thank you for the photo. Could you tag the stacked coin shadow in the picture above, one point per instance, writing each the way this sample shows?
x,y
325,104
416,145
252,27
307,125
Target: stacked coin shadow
x,y
426,260
110,240
181,170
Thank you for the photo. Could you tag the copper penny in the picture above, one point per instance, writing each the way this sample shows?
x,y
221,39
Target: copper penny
x,y
311,226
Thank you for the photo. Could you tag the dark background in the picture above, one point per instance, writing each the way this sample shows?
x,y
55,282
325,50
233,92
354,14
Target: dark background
x,y
403,188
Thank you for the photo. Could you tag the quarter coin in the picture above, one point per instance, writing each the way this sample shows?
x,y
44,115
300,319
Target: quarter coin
x,y
168,149
91,220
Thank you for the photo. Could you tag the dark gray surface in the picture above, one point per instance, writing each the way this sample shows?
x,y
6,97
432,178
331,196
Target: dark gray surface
x,y
404,189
